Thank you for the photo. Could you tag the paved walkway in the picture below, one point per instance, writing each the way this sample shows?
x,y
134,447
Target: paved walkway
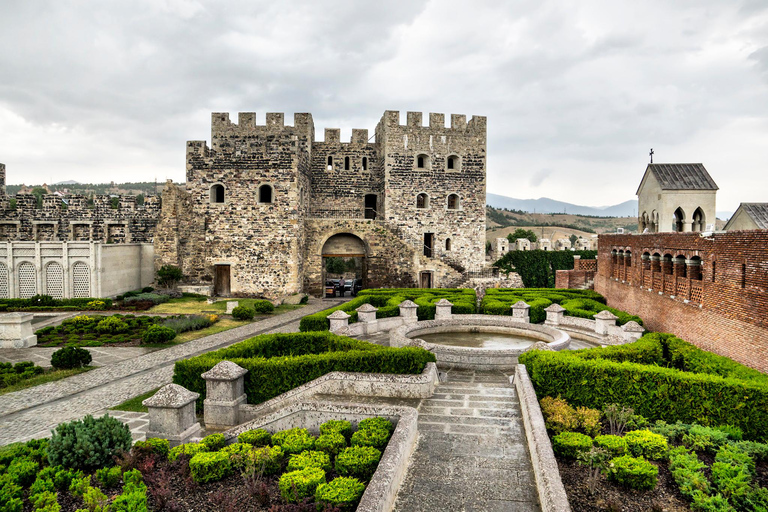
x,y
471,454
41,356
32,412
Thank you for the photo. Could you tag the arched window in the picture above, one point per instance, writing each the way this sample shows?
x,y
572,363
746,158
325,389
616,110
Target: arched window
x,y
699,220
365,163
265,194
346,163
422,162
447,244
679,221
644,222
453,202
217,193
679,265
666,264
453,163
330,163
422,201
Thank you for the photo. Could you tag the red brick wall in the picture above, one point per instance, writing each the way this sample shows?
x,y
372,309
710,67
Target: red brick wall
x,y
578,279
728,316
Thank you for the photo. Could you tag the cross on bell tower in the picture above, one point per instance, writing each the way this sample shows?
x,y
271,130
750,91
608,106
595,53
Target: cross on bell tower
x,y
651,153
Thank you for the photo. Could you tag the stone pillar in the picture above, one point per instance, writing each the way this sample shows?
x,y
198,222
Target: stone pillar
x,y
172,414
409,312
604,320
632,331
366,313
576,261
694,269
554,314
224,394
443,309
232,304
339,320
521,311
16,330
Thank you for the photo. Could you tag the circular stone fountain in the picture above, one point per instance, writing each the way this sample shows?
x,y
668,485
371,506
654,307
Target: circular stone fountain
x,y
477,342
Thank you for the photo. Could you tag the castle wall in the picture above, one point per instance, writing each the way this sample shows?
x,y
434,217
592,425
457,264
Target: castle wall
x,y
723,312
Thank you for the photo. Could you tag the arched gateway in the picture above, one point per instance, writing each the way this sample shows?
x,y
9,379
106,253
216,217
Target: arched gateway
x,y
345,255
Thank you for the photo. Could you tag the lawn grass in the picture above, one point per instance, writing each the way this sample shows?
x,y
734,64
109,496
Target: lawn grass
x,y
134,404
50,375
198,306
224,324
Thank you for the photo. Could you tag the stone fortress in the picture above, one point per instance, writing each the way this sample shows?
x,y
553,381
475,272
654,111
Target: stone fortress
x,y
265,204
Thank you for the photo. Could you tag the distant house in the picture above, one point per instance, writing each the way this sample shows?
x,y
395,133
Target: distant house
x,y
676,197
748,216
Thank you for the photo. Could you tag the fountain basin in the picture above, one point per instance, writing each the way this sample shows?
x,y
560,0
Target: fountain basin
x,y
484,347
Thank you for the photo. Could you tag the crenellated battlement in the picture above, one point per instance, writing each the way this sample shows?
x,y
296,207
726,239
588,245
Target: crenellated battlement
x,y
476,125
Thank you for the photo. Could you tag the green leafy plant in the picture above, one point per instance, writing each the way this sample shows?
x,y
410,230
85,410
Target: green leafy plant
x,y
188,449
168,275
68,358
342,492
243,313
109,477
596,460
209,467
258,437
262,307
615,445
295,440
214,442
645,442
588,420
376,423
570,444
358,461
310,459
633,472
558,415
376,437
158,334
331,443
617,416
342,427
154,445
297,485
111,325
88,443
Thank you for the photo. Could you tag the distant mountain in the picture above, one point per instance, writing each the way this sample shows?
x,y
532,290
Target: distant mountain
x,y
547,205
68,182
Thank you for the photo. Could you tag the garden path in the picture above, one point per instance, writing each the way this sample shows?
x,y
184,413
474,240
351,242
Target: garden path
x,y
33,412
41,356
472,453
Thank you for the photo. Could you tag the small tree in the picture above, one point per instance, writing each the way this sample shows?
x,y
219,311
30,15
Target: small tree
x,y
522,233
617,416
169,275
335,265
573,239
596,460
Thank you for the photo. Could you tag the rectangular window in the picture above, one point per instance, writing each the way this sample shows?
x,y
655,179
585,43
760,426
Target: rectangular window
x,y
714,270
743,275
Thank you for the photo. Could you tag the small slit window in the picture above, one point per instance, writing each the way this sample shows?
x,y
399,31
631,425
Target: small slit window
x,y
453,202
422,162
453,163
365,163
217,194
422,200
447,244
346,163
330,163
265,194
743,275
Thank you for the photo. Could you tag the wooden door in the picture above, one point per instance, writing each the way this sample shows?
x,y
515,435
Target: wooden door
x,y
221,283
426,279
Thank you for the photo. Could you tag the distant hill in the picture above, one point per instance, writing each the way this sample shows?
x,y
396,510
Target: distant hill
x,y
547,205
68,182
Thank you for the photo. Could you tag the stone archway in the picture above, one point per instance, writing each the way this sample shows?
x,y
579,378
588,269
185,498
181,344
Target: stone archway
x,y
348,249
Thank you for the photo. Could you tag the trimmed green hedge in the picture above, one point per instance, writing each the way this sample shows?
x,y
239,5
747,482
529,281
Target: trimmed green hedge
x,y
277,363
662,377
387,300
46,302
537,268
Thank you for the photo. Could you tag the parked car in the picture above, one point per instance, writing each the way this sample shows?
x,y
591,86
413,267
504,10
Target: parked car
x,y
357,285
331,287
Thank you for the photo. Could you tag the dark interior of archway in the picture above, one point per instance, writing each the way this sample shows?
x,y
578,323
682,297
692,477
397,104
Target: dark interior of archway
x,y
351,268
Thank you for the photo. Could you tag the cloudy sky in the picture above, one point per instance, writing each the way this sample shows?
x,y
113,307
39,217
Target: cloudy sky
x,y
576,93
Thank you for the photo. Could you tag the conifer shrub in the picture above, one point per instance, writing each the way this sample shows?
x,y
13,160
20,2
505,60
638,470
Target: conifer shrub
x,y
158,334
358,461
633,472
210,467
297,485
111,325
69,358
109,477
309,459
570,444
331,443
243,313
88,443
257,437
263,306
342,427
646,443
342,492
615,445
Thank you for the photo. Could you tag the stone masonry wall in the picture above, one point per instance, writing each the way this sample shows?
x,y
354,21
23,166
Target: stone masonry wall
x,y
724,312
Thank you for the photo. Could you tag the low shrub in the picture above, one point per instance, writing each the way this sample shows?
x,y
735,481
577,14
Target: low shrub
x,y
615,445
188,449
214,442
209,467
342,427
331,443
69,358
588,420
688,472
109,477
377,423
153,298
268,459
41,485
111,325
63,478
262,307
23,472
358,461
310,459
570,444
737,457
158,334
134,497
239,455
78,486
295,440
558,415
633,472
297,485
672,431
96,305
734,433
376,437
45,501
189,323
11,374
243,313
88,443
758,451
342,492
154,445
731,479
258,437
645,442
701,438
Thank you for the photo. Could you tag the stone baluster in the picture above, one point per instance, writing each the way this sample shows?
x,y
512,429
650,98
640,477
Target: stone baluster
x,y
409,312
443,309
224,394
554,314
366,313
604,320
632,331
521,312
339,320
172,414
